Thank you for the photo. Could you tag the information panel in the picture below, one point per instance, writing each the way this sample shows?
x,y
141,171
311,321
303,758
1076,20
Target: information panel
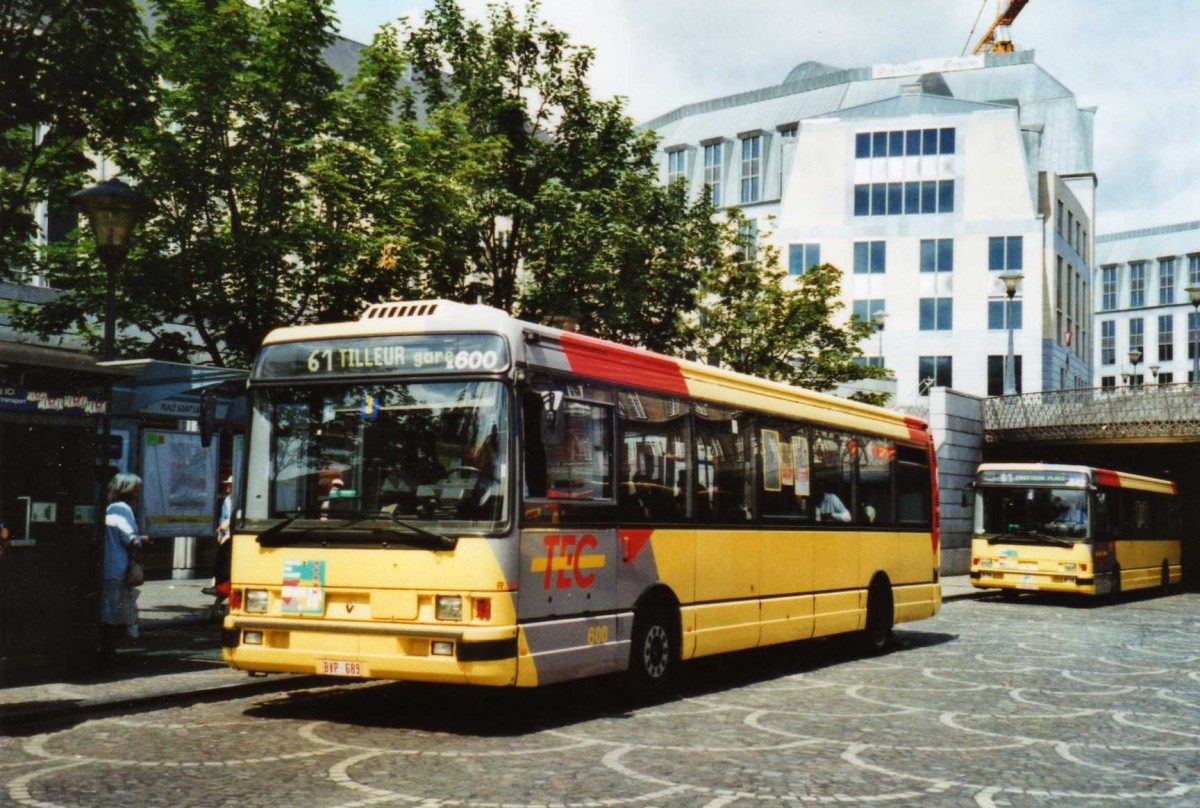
x,y
420,354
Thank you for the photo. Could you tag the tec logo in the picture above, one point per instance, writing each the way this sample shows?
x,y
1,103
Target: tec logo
x,y
567,560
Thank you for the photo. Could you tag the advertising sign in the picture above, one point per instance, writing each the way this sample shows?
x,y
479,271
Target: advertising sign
x,y
179,483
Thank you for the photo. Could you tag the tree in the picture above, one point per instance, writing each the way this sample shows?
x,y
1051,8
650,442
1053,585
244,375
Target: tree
x,y
750,321
245,95
570,220
73,79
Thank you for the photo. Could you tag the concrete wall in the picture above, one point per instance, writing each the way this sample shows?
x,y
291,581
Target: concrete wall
x,y
956,420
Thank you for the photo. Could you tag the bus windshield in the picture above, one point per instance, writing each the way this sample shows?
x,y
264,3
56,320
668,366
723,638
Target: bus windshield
x,y
433,454
1053,513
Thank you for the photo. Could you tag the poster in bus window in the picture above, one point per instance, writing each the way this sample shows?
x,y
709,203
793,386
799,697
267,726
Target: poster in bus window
x,y
800,464
787,474
771,476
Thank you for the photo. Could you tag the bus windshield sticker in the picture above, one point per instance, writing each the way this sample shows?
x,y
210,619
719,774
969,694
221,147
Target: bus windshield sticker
x,y
405,354
303,587
800,464
771,478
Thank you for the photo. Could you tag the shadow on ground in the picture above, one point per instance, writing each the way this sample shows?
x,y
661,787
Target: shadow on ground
x,y
503,712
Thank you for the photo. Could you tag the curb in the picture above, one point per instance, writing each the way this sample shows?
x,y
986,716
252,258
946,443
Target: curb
x,y
144,701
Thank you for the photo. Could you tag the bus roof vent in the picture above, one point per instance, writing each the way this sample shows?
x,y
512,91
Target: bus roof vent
x,y
396,309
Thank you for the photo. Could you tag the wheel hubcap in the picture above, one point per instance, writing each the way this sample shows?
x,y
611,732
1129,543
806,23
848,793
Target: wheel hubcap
x,y
655,652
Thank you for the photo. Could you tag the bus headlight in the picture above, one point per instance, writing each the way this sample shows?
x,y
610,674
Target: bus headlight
x,y
256,601
449,607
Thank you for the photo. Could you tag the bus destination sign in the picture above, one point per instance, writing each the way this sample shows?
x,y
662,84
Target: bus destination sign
x,y
1060,479
419,354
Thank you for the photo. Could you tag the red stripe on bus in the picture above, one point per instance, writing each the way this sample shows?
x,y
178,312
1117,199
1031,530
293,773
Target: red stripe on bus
x,y
1106,477
917,430
589,356
632,542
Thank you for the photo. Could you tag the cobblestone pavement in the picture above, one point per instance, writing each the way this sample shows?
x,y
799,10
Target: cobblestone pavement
x,y
1034,703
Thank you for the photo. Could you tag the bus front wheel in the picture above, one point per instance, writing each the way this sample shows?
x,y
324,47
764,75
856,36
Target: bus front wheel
x,y
654,654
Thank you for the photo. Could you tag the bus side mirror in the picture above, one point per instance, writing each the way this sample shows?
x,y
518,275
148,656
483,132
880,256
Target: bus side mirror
x,y
551,406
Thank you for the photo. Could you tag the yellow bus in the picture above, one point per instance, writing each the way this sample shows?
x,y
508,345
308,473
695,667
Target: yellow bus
x,y
1059,528
441,492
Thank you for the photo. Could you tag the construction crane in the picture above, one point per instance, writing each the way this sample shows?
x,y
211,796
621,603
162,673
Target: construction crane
x,y
997,40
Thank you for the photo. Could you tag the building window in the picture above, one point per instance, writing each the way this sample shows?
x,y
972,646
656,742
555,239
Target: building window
x,y
676,165
788,132
748,236
1193,334
995,377
1108,342
998,315
1137,285
712,172
894,198
910,143
865,309
1058,218
937,255
1108,382
870,257
1004,253
1194,270
803,256
1137,334
1166,338
937,314
934,371
1108,288
1166,378
751,167
1166,281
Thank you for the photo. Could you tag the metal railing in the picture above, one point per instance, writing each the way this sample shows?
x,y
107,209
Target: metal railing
x,y
1095,414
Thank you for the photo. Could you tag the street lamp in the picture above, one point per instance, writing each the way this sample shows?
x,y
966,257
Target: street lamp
x,y
880,317
1154,369
1194,294
1135,356
112,208
1011,279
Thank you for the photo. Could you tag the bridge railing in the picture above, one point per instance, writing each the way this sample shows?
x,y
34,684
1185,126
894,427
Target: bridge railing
x,y
1101,413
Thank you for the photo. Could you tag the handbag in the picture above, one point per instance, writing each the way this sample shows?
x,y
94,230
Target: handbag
x,y
135,574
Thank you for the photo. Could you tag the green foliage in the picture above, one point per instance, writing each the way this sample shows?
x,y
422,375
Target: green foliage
x,y
73,78
281,197
753,321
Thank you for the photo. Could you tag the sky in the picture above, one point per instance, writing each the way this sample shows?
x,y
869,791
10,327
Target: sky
x,y
1135,60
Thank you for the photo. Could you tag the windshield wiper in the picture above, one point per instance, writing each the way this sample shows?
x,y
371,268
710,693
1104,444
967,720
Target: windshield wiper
x,y
428,537
1029,537
275,528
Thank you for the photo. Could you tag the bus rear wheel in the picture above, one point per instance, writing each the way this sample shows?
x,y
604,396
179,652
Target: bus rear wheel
x,y
1114,594
654,654
878,631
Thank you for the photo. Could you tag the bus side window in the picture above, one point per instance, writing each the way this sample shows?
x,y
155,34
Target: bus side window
x,y
655,433
725,477
834,459
914,495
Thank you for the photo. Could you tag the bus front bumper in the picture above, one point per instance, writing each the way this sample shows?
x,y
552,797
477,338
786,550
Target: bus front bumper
x,y
1100,584
454,655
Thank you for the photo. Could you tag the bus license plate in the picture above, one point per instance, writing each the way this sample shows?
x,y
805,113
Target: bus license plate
x,y
341,667
1026,582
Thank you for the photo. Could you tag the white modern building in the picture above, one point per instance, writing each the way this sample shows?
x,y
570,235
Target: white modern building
x,y
925,183
1143,307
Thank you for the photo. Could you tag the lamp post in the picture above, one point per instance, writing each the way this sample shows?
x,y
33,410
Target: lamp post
x,y
1194,295
1011,280
112,208
1135,356
1154,369
880,317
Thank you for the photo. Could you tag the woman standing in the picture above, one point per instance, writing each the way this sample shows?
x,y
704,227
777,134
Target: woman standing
x,y
118,604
